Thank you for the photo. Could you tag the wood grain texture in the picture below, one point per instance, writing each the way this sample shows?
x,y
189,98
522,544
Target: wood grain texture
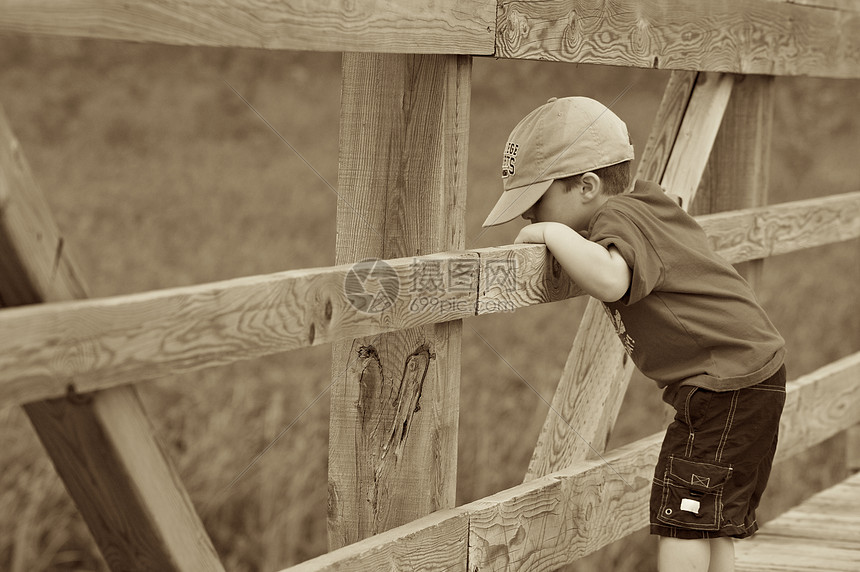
x,y
446,26
35,265
402,184
666,125
597,370
696,136
96,343
587,399
738,36
737,174
436,543
849,5
822,533
521,275
101,444
820,405
761,232
561,517
101,343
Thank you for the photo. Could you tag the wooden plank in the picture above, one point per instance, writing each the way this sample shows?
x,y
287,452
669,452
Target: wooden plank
x,y
737,173
100,343
402,192
524,275
101,444
33,257
597,371
776,554
696,137
834,4
667,123
436,543
738,36
587,399
809,415
822,533
561,517
558,518
756,233
445,26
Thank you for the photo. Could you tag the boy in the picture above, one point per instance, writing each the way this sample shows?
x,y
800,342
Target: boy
x,y
685,316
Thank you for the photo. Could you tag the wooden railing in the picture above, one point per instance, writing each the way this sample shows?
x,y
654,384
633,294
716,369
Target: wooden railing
x,y
106,342
71,362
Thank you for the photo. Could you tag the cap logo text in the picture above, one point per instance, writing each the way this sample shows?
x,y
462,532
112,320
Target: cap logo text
x,y
509,159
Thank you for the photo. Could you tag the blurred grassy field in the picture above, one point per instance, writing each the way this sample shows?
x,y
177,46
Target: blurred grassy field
x,y
159,175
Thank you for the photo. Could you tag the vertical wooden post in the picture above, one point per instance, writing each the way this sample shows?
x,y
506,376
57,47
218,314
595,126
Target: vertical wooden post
x,y
737,172
101,443
401,185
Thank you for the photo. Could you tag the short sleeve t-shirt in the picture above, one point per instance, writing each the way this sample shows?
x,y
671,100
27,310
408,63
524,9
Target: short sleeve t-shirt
x,y
688,318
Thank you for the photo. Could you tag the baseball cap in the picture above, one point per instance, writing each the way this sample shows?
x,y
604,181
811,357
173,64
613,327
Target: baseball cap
x,y
565,136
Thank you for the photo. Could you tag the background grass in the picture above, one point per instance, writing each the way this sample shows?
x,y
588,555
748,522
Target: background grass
x,y
159,175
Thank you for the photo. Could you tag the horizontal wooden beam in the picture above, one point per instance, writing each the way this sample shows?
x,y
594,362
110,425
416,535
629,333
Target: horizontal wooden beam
x,y
750,234
100,343
435,542
408,26
810,416
771,37
96,343
561,517
776,37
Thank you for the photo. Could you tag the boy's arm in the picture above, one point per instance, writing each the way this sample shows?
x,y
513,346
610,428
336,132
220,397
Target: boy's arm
x,y
599,271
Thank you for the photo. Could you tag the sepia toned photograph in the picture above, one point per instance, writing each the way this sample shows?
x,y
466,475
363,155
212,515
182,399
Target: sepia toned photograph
x,y
463,285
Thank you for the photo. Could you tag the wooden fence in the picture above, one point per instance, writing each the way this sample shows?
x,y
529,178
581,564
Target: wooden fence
x,y
72,363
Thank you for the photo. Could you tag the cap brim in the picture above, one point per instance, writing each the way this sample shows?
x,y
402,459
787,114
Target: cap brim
x,y
514,202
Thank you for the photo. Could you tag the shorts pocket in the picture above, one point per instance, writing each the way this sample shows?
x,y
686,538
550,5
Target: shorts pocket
x,y
693,494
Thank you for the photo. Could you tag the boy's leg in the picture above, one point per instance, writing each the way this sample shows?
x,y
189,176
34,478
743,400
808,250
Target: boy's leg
x,y
722,555
711,471
683,554
693,555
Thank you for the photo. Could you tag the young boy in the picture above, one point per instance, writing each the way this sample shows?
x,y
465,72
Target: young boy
x,y
687,319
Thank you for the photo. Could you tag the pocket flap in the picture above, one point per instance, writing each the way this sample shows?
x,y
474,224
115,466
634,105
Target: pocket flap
x,y
699,476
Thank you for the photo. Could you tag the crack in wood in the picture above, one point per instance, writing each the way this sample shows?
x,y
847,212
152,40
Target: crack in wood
x,y
386,413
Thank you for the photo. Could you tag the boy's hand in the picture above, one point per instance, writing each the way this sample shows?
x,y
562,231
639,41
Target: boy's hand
x,y
532,234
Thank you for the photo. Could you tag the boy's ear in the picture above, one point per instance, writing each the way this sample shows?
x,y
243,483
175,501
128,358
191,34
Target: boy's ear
x,y
592,186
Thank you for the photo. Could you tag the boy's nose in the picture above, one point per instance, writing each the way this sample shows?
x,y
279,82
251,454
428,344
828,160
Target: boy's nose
x,y
529,214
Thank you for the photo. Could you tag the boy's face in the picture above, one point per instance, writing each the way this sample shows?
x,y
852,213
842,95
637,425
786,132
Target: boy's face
x,y
561,204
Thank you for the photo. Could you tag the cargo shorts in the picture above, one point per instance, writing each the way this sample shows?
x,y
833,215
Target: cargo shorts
x,y
716,460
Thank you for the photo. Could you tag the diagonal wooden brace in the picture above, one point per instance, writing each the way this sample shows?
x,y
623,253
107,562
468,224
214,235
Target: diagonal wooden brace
x,y
101,443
